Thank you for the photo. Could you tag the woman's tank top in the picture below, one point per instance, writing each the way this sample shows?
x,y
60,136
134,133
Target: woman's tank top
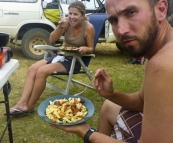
x,y
75,41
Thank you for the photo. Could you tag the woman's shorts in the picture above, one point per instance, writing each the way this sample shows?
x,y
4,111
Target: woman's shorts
x,y
66,63
128,126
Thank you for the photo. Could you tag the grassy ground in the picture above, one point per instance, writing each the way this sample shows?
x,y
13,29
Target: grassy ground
x,y
31,129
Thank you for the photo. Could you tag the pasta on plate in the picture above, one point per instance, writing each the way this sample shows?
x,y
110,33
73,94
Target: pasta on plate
x,y
68,48
66,110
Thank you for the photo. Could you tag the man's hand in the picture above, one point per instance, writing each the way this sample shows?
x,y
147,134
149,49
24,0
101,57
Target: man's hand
x,y
79,129
103,83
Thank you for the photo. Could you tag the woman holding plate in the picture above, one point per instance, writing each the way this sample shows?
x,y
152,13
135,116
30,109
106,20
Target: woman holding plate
x,y
78,32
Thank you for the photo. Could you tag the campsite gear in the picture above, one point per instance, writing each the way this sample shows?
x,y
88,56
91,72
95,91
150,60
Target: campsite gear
x,y
97,20
52,12
138,60
5,52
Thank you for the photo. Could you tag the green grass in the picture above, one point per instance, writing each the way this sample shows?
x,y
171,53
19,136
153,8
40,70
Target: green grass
x,y
31,129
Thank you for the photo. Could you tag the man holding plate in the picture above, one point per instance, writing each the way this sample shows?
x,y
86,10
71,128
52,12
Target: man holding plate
x,y
146,116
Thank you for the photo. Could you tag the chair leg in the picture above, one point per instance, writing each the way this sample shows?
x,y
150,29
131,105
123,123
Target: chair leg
x,y
70,80
85,69
59,90
70,75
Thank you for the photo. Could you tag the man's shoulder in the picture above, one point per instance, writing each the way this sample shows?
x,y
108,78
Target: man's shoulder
x,y
166,51
163,58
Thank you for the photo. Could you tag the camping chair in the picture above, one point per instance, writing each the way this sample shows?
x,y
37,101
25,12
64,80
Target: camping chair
x,y
98,21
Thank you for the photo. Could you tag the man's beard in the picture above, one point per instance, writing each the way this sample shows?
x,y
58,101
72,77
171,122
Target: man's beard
x,y
146,41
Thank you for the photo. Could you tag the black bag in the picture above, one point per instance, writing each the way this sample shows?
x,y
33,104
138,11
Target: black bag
x,y
52,5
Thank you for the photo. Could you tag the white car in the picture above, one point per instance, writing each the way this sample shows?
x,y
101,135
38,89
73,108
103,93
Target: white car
x,y
25,20
29,23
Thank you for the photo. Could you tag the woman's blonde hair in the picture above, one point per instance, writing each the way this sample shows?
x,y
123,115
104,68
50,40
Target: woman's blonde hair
x,y
80,6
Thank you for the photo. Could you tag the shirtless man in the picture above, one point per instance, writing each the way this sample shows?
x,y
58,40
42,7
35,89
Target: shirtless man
x,y
142,29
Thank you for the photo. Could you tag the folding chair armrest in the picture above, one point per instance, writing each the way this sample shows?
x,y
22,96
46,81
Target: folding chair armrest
x,y
75,54
88,55
45,47
48,47
49,50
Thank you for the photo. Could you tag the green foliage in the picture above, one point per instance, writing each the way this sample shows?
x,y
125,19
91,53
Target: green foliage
x,y
31,129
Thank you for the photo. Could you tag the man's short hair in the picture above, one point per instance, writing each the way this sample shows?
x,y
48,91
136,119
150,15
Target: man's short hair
x,y
152,3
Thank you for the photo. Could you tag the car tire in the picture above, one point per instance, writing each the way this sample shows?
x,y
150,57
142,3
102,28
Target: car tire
x,y
36,36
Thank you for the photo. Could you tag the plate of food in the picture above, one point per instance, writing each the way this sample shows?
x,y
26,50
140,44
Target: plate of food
x,y
69,48
66,110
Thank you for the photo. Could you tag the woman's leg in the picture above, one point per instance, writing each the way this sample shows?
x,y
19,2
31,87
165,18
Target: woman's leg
x,y
40,81
107,117
28,86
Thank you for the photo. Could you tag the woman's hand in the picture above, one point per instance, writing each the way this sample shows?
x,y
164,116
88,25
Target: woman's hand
x,y
103,83
82,50
64,22
58,32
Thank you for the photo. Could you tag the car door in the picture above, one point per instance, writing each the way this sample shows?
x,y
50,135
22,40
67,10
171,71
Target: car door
x,y
15,12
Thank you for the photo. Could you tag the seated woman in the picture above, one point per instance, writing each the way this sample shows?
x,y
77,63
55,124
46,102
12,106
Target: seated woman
x,y
79,33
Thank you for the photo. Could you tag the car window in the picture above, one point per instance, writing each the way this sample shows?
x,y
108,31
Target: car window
x,y
22,1
67,1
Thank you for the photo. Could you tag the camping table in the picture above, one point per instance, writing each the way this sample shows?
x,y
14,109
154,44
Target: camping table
x,y
5,72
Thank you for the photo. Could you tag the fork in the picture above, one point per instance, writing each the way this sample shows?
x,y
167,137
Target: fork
x,y
77,94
